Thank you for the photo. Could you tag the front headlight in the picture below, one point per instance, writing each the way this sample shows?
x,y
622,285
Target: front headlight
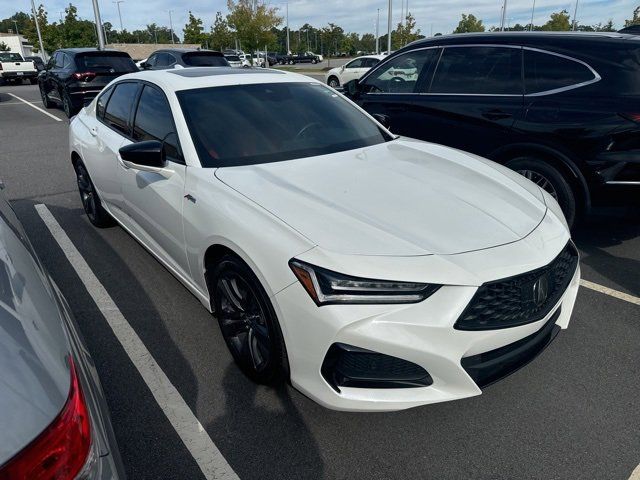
x,y
326,287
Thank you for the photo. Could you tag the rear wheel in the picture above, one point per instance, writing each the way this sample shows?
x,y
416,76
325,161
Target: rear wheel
x,y
551,180
45,99
67,105
333,82
247,321
91,203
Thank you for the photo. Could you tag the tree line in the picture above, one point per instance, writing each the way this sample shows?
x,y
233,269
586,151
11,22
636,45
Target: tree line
x,y
252,26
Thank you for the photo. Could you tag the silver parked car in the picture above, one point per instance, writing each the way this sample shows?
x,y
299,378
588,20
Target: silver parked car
x,y
54,419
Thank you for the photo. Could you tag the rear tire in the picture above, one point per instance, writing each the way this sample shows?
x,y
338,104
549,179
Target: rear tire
x,y
91,203
45,99
550,179
248,322
67,105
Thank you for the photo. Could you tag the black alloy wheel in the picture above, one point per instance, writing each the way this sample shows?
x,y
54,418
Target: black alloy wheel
x,y
248,322
96,213
67,105
45,99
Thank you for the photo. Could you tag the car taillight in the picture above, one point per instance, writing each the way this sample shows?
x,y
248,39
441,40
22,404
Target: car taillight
x,y
634,117
85,76
60,452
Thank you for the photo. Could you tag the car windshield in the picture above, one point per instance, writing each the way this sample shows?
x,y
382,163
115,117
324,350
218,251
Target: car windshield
x,y
106,63
202,59
10,57
261,123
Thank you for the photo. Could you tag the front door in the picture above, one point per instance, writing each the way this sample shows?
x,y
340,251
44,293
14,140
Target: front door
x,y
153,200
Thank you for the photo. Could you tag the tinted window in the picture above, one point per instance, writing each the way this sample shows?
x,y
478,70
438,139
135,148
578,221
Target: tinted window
x,y
479,70
10,57
59,60
105,63
233,58
152,60
165,60
370,62
103,99
402,73
198,59
251,124
119,107
154,121
544,72
66,62
357,63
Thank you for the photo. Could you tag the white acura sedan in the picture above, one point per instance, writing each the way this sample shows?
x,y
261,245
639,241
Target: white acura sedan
x,y
373,272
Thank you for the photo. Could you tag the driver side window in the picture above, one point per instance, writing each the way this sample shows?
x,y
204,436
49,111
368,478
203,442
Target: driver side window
x,y
402,74
357,63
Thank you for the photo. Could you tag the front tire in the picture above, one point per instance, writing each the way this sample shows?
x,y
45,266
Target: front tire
x,y
91,203
333,82
248,322
550,179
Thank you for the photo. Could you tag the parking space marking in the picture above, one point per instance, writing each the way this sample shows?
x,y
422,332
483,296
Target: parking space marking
x,y
36,107
190,430
611,292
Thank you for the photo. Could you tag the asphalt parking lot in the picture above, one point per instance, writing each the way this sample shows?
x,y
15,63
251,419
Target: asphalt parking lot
x,y
573,413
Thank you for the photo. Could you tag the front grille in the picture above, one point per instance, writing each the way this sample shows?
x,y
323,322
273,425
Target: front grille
x,y
520,300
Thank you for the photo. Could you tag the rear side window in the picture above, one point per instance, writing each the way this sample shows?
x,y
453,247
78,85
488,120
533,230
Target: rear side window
x,y
401,74
545,72
479,71
370,62
154,121
204,60
118,109
105,63
165,60
103,99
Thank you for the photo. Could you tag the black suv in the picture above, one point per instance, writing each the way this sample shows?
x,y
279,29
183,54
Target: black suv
x,y
74,76
184,57
563,109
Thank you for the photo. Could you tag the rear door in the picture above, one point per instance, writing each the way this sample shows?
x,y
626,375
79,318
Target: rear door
x,y
474,98
111,129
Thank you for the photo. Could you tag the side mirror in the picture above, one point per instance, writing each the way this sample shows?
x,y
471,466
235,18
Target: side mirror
x,y
382,119
352,88
342,68
148,156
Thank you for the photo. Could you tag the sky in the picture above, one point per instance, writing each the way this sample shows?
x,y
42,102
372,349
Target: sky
x,y
432,16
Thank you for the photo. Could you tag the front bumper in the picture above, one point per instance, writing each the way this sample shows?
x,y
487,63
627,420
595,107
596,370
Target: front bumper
x,y
421,333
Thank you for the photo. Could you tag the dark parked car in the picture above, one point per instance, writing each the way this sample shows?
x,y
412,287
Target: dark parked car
x,y
37,61
74,76
184,57
54,417
563,109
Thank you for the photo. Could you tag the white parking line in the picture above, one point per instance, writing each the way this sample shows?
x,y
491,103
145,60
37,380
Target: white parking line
x,y
193,435
36,107
611,292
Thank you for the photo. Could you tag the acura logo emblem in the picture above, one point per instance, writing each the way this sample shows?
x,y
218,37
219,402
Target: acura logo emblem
x,y
540,290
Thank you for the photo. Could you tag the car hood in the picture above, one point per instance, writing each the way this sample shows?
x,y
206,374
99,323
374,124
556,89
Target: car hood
x,y
399,198
34,375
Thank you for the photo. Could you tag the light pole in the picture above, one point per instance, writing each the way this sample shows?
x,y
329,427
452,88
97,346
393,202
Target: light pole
x,y
96,14
504,15
378,34
288,47
533,9
171,26
575,14
16,24
389,29
35,19
118,2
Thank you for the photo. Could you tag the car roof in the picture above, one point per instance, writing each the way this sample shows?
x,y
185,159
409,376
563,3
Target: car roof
x,y
526,38
203,77
77,51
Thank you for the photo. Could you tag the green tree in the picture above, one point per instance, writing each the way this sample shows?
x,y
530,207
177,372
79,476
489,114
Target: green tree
x,y
22,19
221,36
405,33
75,32
194,31
558,22
332,36
635,20
4,47
368,42
252,22
469,23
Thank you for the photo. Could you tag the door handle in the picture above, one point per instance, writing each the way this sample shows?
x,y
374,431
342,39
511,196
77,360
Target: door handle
x,y
93,131
496,114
